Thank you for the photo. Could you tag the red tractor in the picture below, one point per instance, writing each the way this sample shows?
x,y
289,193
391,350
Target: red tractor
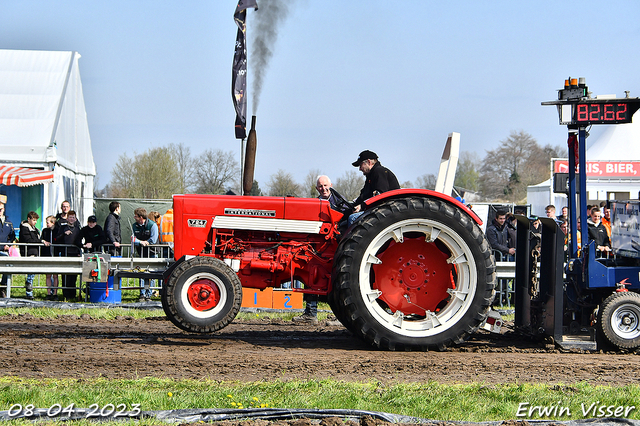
x,y
413,272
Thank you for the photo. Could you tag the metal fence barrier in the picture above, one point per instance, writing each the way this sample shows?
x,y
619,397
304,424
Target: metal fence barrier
x,y
56,250
505,274
505,270
72,264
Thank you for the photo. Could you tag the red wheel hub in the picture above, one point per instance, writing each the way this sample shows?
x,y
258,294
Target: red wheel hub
x,y
203,294
414,276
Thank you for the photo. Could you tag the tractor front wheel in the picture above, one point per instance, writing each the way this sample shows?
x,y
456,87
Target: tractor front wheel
x,y
202,295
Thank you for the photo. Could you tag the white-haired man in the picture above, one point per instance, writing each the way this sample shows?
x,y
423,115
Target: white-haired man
x,y
323,186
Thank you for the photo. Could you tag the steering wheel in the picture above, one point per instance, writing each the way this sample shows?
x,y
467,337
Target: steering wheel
x,y
347,206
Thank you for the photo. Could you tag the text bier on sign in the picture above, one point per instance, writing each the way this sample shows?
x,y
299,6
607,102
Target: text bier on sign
x,y
625,228
603,169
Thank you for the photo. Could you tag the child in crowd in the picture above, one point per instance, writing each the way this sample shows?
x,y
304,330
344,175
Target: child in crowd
x,y
29,234
47,240
154,216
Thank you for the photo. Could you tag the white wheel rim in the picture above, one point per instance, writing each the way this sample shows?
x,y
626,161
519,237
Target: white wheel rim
x,y
184,297
625,320
460,300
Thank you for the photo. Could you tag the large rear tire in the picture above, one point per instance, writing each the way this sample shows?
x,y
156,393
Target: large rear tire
x,y
413,273
619,319
202,295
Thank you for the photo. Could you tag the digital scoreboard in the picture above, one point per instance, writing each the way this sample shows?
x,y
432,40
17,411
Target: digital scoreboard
x,y
605,112
576,108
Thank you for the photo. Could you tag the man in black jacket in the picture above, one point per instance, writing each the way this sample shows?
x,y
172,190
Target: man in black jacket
x,y
68,236
597,231
378,179
29,234
112,229
498,235
92,236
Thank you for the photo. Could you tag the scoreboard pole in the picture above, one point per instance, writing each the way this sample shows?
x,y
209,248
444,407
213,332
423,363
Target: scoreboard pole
x,y
577,135
583,195
573,242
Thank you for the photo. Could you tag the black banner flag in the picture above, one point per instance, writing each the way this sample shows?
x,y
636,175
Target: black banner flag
x,y
239,74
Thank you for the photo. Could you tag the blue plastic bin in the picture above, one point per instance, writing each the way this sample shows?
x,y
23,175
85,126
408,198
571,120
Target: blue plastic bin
x,y
98,292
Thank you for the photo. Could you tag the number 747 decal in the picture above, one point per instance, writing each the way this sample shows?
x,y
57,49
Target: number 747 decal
x,y
197,223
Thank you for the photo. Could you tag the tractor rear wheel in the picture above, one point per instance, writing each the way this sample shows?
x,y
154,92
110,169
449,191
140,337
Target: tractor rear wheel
x,y
202,295
413,273
619,319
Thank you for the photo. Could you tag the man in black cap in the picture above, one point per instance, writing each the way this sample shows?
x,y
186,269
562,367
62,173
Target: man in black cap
x,y
379,179
92,236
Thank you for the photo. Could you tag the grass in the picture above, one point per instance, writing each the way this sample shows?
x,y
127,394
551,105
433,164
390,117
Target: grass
x,y
471,402
40,291
97,313
112,312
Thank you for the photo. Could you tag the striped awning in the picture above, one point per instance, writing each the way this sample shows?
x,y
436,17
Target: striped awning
x,y
22,176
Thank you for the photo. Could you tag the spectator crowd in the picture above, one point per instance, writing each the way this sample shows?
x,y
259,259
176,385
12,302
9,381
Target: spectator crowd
x,y
501,235
501,232
64,236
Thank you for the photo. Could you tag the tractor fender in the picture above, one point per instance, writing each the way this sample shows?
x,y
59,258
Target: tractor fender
x,y
426,193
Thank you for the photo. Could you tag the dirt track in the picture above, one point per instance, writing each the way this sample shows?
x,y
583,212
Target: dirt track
x,y
268,349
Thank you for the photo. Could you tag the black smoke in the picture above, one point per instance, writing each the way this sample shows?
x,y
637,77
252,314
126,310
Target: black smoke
x,y
262,28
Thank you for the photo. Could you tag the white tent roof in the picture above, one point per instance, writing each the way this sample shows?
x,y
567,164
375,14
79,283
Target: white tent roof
x,y
42,113
617,142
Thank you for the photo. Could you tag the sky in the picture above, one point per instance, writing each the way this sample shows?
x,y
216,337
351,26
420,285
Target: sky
x,y
345,76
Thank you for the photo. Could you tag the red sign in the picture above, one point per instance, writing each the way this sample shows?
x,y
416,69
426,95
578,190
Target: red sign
x,y
604,169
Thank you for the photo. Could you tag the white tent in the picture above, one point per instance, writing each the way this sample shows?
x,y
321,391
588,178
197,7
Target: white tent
x,y
617,142
43,126
541,195
613,169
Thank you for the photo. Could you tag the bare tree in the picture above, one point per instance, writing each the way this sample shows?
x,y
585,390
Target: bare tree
x,y
157,176
309,185
214,171
558,151
150,175
255,189
508,170
467,175
122,177
183,161
282,184
349,184
426,181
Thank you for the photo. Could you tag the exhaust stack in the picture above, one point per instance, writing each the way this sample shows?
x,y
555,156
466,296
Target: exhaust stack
x,y
250,159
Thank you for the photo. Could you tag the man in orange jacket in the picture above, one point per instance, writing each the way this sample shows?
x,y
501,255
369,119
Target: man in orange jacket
x,y
166,229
